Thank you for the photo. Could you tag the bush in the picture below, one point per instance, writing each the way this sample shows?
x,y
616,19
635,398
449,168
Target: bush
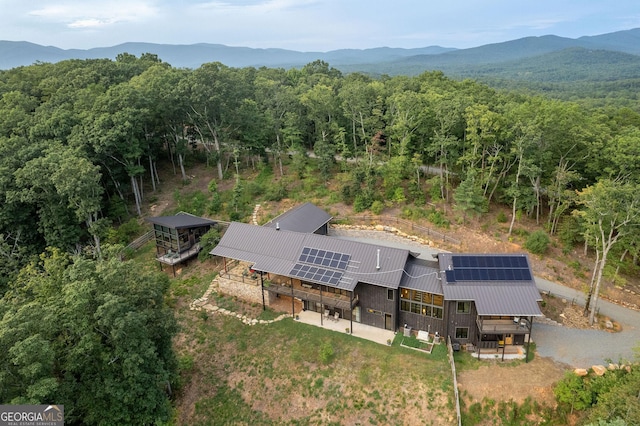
x,y
208,242
125,233
377,207
326,353
537,242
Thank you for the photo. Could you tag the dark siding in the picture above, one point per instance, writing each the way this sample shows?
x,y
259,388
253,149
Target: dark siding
x,y
323,230
421,322
461,320
374,298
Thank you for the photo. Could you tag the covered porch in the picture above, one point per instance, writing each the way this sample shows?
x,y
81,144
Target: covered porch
x,y
504,337
340,325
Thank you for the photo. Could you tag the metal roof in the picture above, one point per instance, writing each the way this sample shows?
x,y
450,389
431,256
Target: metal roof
x,y
278,251
505,297
303,218
179,221
422,275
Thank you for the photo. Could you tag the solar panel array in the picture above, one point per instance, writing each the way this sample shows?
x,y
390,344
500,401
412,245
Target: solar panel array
x,y
489,268
314,273
310,257
489,262
326,258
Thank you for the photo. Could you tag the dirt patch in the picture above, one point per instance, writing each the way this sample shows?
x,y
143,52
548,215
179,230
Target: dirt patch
x,y
504,382
570,314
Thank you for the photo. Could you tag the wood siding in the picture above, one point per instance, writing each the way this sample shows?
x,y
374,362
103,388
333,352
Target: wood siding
x,y
458,320
374,304
421,322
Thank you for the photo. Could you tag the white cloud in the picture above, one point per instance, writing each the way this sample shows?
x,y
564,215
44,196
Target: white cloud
x,y
95,14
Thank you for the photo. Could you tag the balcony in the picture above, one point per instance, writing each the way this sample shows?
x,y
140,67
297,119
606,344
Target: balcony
x,y
305,291
515,325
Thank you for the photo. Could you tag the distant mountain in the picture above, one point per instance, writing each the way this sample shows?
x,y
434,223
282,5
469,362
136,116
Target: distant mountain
x,y
545,57
14,54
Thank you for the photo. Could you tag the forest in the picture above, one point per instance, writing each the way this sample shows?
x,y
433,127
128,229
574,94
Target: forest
x,y
81,142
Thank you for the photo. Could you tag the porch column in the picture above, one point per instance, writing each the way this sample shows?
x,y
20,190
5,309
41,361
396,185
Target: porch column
x,y
504,345
264,308
526,358
321,308
479,342
293,310
351,313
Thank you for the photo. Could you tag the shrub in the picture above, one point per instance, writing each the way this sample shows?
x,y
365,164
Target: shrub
x,y
377,207
208,243
537,242
326,353
502,217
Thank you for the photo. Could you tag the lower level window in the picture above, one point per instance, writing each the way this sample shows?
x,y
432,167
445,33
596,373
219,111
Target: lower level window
x,y
462,332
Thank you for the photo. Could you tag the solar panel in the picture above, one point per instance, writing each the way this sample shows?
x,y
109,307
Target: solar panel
x,y
489,268
324,258
313,273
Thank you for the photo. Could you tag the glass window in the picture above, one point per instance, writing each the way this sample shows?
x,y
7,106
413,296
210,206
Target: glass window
x,y
464,307
437,312
415,308
426,310
416,295
404,293
389,294
405,306
438,300
462,332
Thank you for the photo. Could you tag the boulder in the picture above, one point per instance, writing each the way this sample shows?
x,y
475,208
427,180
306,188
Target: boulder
x,y
580,372
599,370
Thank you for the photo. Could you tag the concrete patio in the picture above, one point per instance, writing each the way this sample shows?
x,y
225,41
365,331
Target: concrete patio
x,y
367,332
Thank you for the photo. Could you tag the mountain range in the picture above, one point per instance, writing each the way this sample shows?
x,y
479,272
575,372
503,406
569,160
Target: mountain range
x,y
596,56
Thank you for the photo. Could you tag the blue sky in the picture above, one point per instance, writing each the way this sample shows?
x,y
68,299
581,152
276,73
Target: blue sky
x,y
308,25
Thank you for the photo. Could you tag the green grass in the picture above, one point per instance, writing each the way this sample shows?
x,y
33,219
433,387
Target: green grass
x,y
302,374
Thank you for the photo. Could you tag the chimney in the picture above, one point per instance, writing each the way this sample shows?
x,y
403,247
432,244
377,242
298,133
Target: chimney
x,y
378,260
277,226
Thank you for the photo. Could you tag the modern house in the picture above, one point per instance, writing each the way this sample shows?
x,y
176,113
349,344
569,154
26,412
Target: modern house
x,y
178,237
488,301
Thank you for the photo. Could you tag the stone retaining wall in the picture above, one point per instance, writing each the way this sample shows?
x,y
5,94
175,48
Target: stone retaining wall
x,y
247,291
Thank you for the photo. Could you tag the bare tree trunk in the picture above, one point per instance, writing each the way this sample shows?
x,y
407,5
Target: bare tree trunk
x,y
151,170
181,163
596,267
136,194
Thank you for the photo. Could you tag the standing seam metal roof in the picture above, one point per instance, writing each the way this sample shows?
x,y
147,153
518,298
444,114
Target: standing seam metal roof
x,y
303,218
506,298
278,251
180,221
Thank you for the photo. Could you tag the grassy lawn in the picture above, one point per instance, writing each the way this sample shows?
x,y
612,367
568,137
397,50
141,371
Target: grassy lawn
x,y
288,372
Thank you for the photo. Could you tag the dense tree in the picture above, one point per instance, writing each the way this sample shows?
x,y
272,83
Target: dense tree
x,y
611,211
90,334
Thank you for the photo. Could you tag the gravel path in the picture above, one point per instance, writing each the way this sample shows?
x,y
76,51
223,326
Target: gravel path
x,y
577,348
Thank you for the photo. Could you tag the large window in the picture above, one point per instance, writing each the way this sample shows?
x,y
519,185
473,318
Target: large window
x,y
462,332
463,307
421,302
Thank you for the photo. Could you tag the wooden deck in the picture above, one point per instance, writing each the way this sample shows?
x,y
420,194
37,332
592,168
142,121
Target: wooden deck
x,y
173,259
312,295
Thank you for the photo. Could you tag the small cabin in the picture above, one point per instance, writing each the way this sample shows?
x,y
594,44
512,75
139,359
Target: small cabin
x,y
178,237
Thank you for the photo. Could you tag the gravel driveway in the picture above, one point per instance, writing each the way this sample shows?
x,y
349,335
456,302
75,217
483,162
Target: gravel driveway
x,y
584,348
